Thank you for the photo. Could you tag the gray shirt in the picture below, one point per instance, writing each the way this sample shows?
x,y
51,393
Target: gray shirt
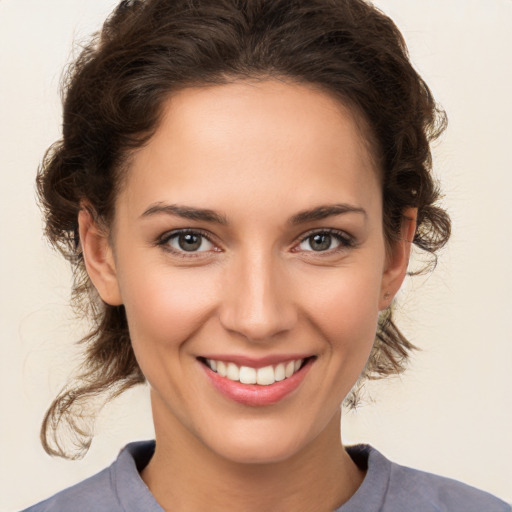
x,y
387,487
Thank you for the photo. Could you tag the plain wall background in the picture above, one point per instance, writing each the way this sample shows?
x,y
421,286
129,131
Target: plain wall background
x,y
451,413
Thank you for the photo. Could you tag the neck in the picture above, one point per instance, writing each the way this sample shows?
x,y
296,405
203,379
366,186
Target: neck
x,y
186,475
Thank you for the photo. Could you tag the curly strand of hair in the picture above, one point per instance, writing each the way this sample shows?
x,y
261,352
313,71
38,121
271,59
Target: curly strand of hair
x,y
110,369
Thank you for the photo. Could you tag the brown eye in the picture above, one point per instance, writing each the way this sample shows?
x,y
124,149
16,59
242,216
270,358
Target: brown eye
x,y
324,241
320,242
189,241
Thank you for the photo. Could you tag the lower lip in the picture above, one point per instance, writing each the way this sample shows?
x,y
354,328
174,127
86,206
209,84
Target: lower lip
x,y
254,394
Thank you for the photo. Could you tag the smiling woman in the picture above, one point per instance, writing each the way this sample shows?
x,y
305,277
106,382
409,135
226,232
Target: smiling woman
x,y
238,188
216,309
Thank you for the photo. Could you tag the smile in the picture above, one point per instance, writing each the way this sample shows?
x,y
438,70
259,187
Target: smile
x,y
265,376
265,383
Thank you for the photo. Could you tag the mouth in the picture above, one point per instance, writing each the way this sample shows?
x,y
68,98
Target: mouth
x,y
264,376
256,385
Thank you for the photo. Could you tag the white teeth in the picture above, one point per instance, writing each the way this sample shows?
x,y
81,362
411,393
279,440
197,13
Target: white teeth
x,y
265,376
262,376
233,372
279,372
221,369
247,375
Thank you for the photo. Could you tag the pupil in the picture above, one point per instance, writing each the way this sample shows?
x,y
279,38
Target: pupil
x,y
189,242
321,242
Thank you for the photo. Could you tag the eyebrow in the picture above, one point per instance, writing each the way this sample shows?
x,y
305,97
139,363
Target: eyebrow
x,y
186,212
206,215
323,212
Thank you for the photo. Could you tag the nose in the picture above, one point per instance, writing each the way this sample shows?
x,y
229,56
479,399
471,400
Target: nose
x,y
257,299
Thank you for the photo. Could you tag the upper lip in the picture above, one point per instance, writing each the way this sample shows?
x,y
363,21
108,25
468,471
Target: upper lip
x,y
255,362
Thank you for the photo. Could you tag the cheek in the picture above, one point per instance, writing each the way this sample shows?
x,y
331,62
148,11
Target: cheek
x,y
349,291
165,307
345,308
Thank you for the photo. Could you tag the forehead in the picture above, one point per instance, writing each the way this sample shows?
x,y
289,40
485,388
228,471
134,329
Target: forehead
x,y
266,137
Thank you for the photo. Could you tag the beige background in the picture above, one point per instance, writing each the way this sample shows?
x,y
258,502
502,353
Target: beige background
x,y
450,414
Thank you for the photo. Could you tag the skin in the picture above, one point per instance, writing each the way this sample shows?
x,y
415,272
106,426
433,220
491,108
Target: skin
x,y
256,154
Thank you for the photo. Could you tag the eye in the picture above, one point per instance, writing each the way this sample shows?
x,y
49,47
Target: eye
x,y
324,241
184,241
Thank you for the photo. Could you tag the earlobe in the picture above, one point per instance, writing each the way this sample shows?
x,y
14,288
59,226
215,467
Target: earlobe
x,y
98,258
398,259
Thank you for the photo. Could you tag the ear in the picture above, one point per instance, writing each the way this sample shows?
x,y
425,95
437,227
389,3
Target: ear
x,y
98,257
398,259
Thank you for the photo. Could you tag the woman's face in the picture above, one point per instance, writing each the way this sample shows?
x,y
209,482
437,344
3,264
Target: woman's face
x,y
248,246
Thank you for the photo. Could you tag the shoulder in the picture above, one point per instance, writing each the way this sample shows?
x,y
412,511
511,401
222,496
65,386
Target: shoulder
x,y
402,489
94,493
117,488
440,493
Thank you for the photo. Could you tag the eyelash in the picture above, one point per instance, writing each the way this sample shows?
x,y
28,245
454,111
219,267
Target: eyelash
x,y
164,240
346,241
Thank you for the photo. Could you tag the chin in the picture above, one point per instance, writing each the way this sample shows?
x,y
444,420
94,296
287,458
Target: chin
x,y
258,453
250,443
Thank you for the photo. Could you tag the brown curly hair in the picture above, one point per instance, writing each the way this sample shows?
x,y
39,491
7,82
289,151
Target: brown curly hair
x,y
113,100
